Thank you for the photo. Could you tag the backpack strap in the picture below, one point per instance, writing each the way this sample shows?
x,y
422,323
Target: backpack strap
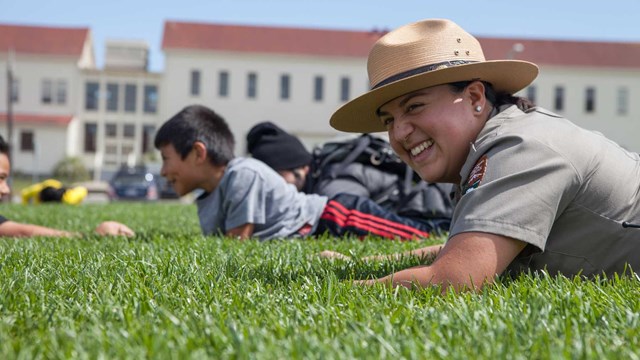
x,y
408,181
408,188
361,145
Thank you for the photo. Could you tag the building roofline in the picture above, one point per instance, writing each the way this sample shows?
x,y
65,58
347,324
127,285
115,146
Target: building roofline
x,y
199,36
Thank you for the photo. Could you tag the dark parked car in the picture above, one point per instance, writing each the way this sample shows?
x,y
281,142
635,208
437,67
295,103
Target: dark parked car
x,y
139,183
165,189
134,183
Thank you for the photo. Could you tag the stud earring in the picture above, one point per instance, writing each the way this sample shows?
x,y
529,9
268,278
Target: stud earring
x,y
478,108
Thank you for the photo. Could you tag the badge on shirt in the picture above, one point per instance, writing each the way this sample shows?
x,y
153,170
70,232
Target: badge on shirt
x,y
476,175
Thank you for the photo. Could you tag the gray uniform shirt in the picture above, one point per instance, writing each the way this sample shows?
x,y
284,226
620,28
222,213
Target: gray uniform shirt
x,y
563,190
251,192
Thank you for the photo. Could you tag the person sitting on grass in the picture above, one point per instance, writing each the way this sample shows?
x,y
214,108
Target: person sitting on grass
x,y
10,228
535,192
244,197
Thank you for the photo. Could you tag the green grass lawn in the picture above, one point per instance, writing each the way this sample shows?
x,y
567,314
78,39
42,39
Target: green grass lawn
x,y
172,293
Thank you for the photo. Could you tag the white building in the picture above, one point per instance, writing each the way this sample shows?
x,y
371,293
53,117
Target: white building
x,y
46,64
298,77
295,77
64,106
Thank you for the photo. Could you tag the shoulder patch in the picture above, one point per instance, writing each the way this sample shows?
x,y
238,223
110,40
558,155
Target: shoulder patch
x,y
476,175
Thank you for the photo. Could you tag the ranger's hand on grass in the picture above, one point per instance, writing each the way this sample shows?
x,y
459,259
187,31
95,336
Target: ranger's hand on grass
x,y
333,255
422,253
467,261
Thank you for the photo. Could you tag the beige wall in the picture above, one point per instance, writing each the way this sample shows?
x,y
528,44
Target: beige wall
x,y
623,129
300,114
49,144
50,140
30,71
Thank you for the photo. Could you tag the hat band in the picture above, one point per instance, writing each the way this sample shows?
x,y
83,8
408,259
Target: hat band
x,y
420,70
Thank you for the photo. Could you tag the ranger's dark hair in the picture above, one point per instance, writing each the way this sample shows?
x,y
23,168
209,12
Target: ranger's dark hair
x,y
494,97
4,146
198,123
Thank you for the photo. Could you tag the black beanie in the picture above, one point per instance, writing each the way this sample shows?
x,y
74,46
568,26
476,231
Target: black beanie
x,y
276,148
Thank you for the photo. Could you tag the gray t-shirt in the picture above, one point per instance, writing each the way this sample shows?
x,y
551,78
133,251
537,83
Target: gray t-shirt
x,y
564,190
250,192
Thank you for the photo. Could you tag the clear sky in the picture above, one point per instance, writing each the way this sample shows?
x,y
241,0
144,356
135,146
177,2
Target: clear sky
x,y
609,20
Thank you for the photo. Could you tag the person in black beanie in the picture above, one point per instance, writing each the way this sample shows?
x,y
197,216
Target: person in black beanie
x,y
280,150
285,153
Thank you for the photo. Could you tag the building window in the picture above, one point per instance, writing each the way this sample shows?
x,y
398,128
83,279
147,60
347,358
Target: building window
x,y
590,100
623,101
26,141
318,87
15,90
90,137
531,93
61,92
345,85
558,102
223,84
129,131
150,98
91,96
112,97
285,81
111,149
130,97
111,154
148,131
47,91
252,85
127,150
195,82
111,130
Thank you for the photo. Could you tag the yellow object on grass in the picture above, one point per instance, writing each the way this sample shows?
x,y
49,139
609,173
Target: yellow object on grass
x,y
73,196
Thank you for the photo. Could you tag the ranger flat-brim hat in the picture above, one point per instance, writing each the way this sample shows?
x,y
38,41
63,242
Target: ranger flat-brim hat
x,y
420,55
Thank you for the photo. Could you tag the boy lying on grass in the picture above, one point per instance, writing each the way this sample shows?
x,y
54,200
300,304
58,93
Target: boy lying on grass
x,y
244,198
10,228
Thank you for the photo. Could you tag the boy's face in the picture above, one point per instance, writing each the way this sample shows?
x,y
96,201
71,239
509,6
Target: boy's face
x,y
296,176
180,173
5,170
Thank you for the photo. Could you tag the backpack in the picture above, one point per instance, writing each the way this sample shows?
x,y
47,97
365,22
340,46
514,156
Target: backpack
x,y
370,162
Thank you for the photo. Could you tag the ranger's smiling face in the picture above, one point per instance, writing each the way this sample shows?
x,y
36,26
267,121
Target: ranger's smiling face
x,y
431,129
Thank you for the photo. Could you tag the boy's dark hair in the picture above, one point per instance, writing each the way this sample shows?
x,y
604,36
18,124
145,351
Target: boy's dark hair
x,y
4,146
198,123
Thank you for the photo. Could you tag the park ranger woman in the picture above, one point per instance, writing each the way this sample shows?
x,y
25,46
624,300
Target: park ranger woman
x,y
534,191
